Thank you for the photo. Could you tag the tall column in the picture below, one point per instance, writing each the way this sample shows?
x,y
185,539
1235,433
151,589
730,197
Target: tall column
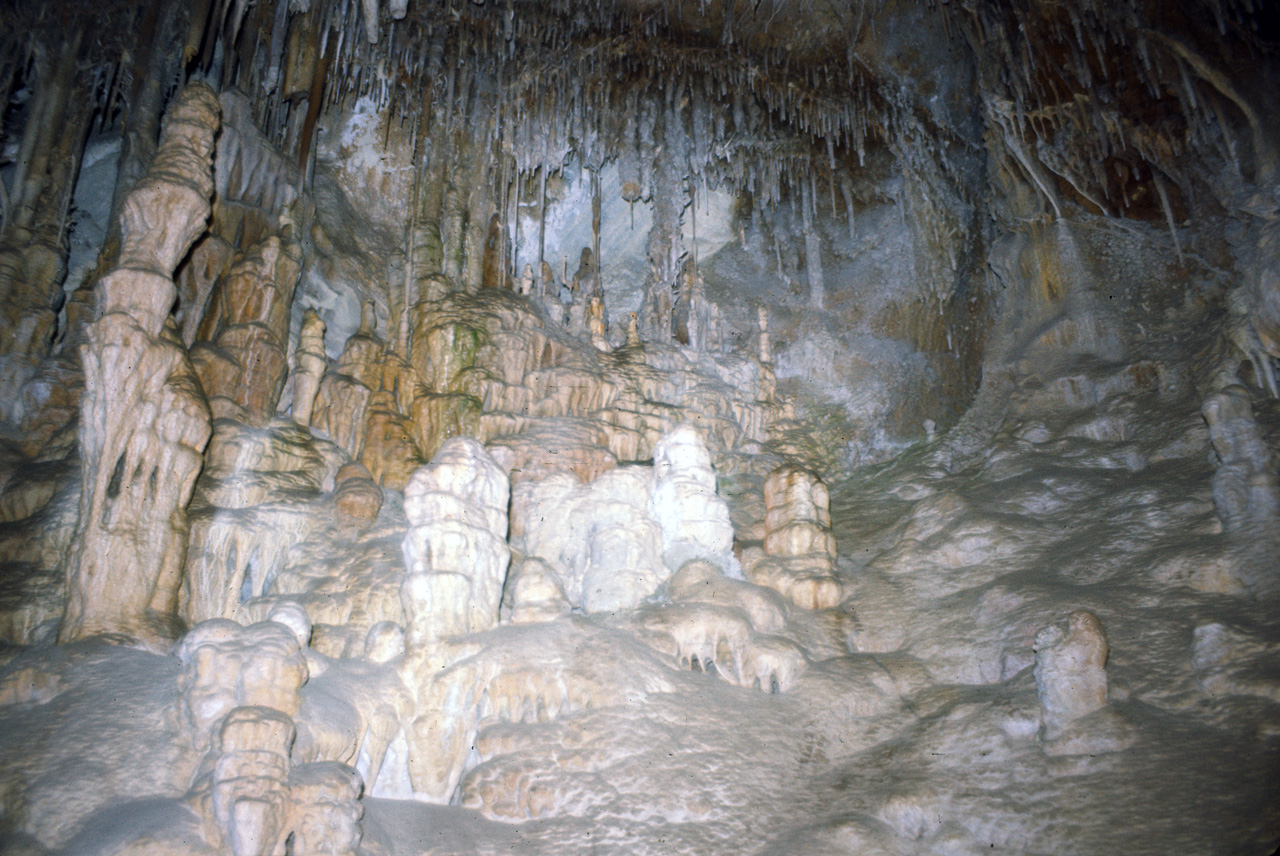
x,y
144,421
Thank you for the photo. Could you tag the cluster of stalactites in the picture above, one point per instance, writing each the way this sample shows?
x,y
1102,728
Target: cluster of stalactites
x,y
1105,101
591,86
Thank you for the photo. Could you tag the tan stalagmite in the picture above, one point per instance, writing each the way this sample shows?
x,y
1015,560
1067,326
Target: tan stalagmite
x,y
1071,675
356,498
362,405
144,421
763,347
226,666
244,800
800,551
241,358
324,810
596,328
343,398
1071,680
309,365
254,801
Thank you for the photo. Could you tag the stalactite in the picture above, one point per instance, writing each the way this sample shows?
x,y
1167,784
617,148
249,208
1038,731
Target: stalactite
x,y
27,176
480,208
33,250
1168,211
595,222
314,103
542,226
453,221
812,247
275,53
428,248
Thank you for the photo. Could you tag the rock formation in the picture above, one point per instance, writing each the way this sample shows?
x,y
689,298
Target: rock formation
x,y
455,551
309,367
227,666
241,355
694,520
799,549
607,545
1246,488
361,405
1071,680
248,797
599,541
637,428
144,422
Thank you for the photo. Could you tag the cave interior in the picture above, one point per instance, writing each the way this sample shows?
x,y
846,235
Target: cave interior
x,y
791,427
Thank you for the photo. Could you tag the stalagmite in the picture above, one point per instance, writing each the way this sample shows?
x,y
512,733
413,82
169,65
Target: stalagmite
x,y
324,810
799,549
764,348
249,783
599,540
1071,680
227,666
309,367
455,550
342,403
241,360
693,518
1070,673
144,422
595,321
1246,491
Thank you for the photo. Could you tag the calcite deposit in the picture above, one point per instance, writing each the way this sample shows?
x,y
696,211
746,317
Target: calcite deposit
x,y
144,419
799,550
744,427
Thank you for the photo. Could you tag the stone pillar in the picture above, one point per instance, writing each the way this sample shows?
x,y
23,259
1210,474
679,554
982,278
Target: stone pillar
x,y
309,365
242,359
800,551
144,422
456,555
456,548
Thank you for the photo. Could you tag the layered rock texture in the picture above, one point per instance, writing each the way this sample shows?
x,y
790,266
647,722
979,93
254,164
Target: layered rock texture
x,y
144,422
745,427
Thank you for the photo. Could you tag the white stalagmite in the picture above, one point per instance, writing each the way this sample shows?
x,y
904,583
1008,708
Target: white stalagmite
x,y
694,520
1070,672
455,550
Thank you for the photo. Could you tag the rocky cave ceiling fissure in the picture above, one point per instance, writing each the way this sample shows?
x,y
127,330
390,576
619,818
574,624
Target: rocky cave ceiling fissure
x,y
639,426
